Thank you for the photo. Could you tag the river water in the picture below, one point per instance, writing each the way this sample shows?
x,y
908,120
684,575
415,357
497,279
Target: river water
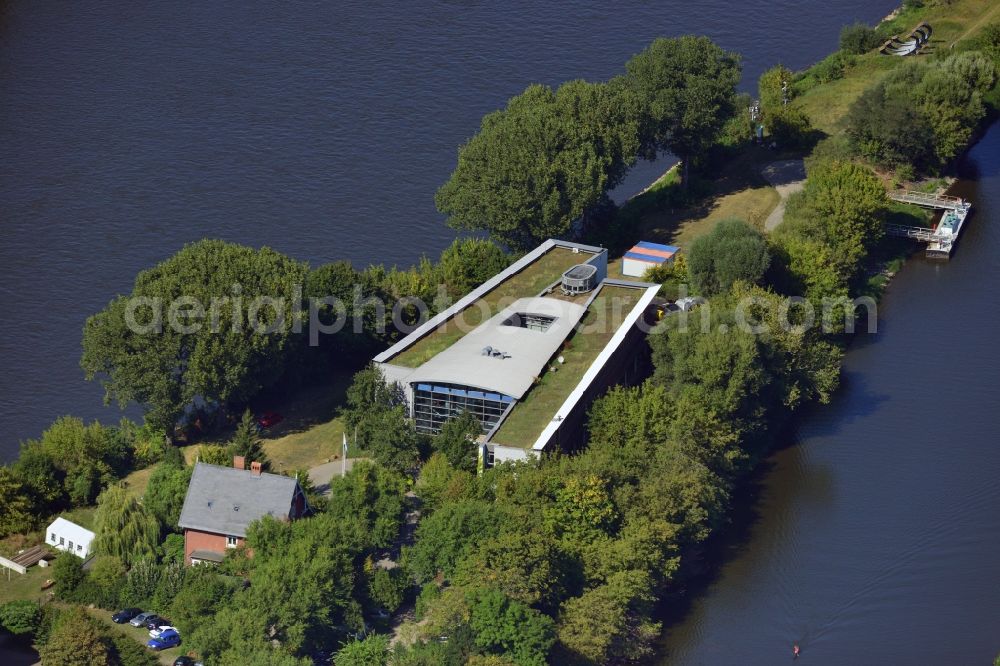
x,y
321,129
877,531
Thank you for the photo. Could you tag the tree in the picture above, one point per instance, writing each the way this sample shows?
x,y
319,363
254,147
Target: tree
x,y
18,514
233,311
527,566
369,501
608,624
107,574
246,441
20,617
164,496
376,411
387,588
787,125
390,439
540,163
922,114
68,573
76,640
141,582
129,652
888,128
372,651
457,441
124,528
444,537
202,593
510,628
439,481
732,251
843,206
469,262
688,89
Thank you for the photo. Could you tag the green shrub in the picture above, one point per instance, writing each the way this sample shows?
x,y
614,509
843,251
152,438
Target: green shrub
x,y
858,38
388,588
906,172
20,617
69,574
832,67
429,593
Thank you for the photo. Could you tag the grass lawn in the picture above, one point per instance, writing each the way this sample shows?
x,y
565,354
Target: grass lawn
x,y
26,587
530,416
83,516
739,191
136,482
828,103
310,433
529,282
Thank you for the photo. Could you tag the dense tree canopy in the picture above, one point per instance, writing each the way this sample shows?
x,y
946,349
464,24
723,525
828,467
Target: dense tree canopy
x,y
732,251
219,355
537,165
922,114
687,86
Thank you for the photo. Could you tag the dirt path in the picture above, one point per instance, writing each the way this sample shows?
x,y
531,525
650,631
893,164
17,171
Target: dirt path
x,y
786,177
975,26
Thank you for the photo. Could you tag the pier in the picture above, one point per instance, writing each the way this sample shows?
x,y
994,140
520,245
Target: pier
x,y
941,238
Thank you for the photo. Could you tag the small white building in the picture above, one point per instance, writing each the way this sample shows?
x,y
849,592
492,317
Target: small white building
x,y
66,535
645,255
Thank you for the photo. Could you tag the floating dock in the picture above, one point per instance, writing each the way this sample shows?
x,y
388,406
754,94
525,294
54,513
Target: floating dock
x,y
941,238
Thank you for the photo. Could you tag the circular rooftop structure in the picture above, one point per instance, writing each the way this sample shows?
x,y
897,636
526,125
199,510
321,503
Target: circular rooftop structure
x,y
579,279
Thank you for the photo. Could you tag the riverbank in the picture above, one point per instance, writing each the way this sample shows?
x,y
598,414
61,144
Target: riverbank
x,y
867,536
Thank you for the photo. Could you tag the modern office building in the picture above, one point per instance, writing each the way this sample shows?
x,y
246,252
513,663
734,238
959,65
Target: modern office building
x,y
527,351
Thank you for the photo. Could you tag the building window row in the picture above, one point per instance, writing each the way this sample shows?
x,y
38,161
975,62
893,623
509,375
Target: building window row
x,y
436,404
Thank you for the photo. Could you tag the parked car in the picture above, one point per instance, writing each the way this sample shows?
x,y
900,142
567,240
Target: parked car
x,y
125,615
154,621
184,661
167,639
156,633
141,619
268,419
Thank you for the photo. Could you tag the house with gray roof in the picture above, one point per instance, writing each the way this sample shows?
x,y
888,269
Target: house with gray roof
x,y
221,502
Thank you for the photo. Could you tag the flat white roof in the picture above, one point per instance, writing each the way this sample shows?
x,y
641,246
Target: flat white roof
x,y
525,351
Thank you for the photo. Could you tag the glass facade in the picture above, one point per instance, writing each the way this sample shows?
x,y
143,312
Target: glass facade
x,y
435,404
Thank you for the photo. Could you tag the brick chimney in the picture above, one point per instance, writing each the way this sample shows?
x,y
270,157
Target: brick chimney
x,y
239,462
255,468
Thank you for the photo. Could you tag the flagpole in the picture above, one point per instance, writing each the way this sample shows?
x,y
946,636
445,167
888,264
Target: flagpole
x,y
343,464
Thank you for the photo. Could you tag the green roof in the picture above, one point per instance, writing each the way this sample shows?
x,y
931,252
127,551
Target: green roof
x,y
529,281
529,416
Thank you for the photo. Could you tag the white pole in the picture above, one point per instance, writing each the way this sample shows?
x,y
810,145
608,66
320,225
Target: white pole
x,y
343,464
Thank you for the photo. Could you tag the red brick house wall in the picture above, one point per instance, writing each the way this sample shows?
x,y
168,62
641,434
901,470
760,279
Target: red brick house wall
x,y
195,540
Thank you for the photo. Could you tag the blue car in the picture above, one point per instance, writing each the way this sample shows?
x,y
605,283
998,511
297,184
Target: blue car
x,y
167,639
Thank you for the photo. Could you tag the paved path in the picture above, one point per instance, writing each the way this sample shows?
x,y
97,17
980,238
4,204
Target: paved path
x,y
321,475
786,177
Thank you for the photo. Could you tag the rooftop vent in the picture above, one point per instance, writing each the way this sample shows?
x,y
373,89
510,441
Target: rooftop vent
x,y
579,279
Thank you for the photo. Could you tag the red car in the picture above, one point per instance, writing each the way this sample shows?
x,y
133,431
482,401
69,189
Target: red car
x,y
268,419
